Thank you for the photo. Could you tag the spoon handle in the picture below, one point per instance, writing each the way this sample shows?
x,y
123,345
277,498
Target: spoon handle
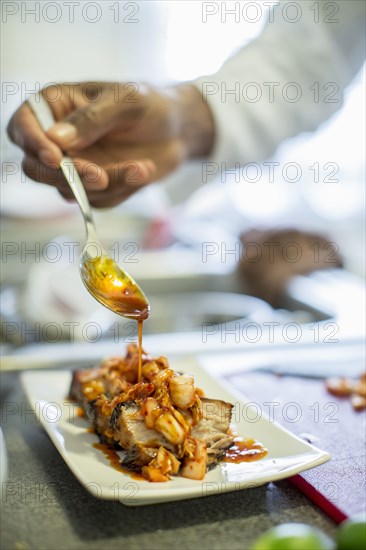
x,y
73,179
44,115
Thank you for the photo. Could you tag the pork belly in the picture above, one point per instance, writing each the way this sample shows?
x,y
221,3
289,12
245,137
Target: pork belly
x,y
162,425
213,428
140,444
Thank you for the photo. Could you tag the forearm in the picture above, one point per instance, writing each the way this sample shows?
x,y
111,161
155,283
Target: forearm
x,y
288,81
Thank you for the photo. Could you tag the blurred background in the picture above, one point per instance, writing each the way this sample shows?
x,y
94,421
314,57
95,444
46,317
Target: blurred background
x,y
163,43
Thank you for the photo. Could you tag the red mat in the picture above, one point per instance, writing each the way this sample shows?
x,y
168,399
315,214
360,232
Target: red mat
x,y
330,423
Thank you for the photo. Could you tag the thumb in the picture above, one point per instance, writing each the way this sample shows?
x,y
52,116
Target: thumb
x,y
85,125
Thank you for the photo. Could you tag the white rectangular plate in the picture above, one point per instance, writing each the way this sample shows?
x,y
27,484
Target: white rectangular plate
x,y
288,455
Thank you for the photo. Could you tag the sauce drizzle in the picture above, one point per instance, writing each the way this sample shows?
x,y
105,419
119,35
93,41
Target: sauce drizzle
x,y
139,326
117,291
245,450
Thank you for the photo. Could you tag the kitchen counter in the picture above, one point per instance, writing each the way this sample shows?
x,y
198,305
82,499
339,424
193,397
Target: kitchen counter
x,y
45,507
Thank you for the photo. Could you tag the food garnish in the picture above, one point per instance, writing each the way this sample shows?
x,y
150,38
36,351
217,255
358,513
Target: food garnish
x,y
355,390
162,426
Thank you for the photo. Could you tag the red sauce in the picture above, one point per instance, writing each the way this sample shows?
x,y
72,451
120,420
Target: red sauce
x,y
125,304
114,289
80,412
245,450
139,325
115,461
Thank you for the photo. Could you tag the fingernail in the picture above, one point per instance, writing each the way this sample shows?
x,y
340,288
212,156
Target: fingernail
x,y
64,131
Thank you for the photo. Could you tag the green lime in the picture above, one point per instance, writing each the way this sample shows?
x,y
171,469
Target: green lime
x,y
352,534
293,536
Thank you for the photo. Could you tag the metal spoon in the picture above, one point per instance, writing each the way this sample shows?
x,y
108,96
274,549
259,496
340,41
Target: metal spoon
x,y
104,279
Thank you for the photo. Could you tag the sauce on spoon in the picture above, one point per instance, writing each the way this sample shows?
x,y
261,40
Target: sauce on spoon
x,y
108,284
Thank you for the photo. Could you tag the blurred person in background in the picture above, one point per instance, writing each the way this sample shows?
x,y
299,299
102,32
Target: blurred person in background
x,y
124,137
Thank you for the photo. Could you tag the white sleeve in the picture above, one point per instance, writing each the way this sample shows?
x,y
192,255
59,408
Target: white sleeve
x,y
287,81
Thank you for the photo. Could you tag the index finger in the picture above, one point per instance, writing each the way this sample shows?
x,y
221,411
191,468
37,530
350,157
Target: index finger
x,y
25,131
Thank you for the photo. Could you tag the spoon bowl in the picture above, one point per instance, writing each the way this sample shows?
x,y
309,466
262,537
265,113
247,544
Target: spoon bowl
x,y
113,287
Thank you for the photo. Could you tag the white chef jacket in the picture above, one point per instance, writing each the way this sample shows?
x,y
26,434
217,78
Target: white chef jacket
x,y
287,81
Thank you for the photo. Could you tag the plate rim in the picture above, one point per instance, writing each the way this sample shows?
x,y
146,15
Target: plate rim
x,y
164,493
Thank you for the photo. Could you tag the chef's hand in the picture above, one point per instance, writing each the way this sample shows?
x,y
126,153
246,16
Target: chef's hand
x,y
120,136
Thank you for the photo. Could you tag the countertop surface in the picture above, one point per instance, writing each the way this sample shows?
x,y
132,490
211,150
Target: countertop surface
x,y
45,507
